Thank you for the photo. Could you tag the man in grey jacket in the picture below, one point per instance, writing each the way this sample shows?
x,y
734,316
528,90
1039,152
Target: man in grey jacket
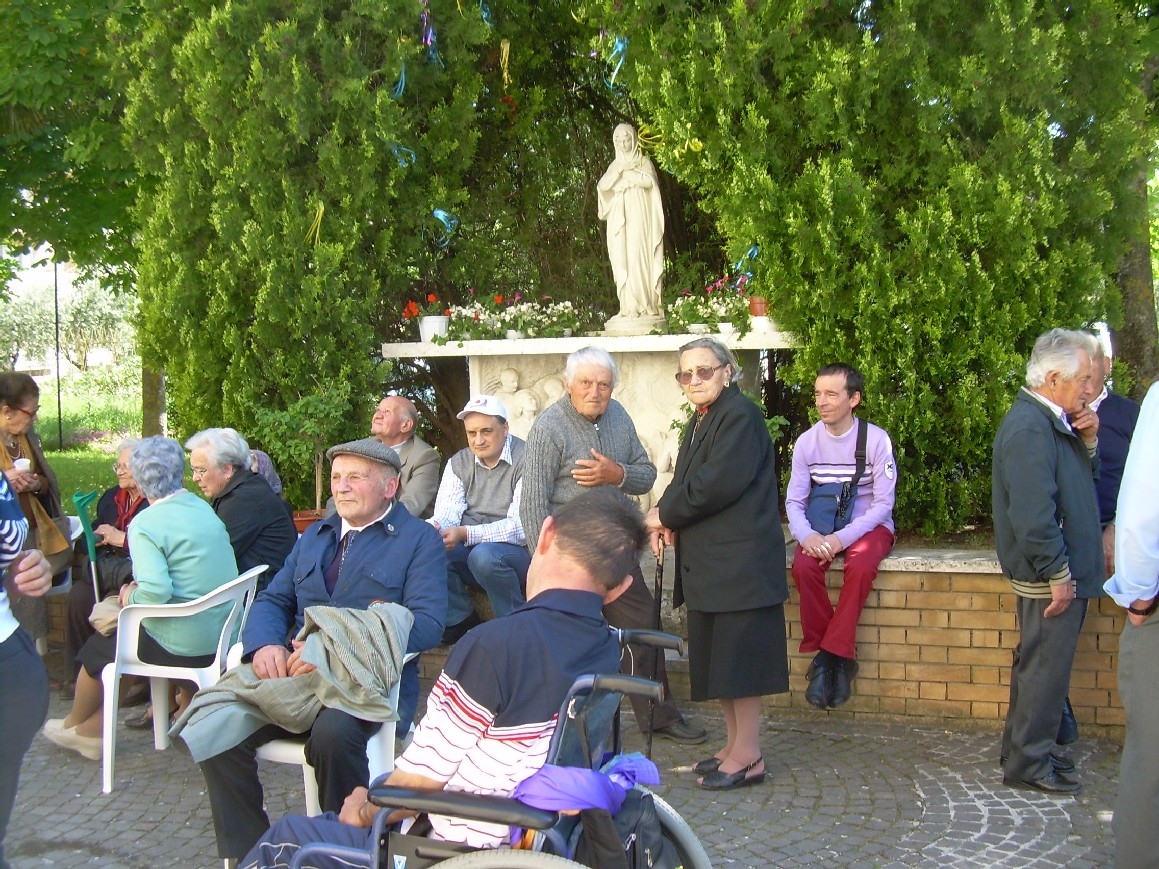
x,y
1046,528
586,440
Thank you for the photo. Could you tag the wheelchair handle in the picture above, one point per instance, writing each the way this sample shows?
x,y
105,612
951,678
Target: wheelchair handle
x,y
655,639
472,807
633,686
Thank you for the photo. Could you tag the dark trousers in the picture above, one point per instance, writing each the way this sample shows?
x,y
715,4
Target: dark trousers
x,y
23,708
335,747
1039,680
636,608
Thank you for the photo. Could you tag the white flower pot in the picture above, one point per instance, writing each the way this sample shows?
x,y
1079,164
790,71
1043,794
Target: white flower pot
x,y
431,326
513,334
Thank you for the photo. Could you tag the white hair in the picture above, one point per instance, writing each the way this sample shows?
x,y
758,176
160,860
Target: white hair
x,y
224,446
597,356
1059,350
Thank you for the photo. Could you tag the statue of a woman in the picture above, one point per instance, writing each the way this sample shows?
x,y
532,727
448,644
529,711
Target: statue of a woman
x,y
629,200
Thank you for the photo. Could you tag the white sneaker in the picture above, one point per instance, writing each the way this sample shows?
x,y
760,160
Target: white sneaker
x,y
53,724
86,746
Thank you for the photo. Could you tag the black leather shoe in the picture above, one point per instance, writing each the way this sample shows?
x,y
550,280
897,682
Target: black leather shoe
x,y
682,731
843,681
1068,727
820,690
1052,783
1057,761
454,633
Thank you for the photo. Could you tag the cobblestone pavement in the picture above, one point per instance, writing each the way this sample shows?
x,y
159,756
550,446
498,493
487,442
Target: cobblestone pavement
x,y
839,792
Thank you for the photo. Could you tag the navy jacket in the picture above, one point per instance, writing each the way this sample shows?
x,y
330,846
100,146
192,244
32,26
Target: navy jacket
x,y
1117,418
399,559
260,524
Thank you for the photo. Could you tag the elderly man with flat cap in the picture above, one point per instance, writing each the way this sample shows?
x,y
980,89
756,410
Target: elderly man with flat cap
x,y
371,550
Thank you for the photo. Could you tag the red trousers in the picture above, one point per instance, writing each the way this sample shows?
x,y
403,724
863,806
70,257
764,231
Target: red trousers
x,y
822,626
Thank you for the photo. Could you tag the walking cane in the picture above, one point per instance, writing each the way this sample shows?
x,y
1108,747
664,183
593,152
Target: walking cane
x,y
657,594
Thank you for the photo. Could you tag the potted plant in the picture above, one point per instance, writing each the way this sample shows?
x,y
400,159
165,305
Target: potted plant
x,y
433,316
299,436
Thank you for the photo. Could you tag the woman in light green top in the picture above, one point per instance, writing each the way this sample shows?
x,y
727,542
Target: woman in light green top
x,y
181,551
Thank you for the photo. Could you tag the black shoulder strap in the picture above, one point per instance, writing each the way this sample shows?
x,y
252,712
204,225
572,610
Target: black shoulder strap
x,y
859,455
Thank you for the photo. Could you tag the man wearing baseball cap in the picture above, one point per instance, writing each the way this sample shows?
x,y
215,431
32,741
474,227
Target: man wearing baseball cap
x,y
477,514
371,550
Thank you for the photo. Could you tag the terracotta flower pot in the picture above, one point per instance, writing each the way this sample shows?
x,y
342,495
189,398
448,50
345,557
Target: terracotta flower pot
x,y
303,519
758,307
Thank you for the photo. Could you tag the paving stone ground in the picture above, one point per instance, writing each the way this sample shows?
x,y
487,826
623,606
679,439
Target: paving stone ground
x,y
839,792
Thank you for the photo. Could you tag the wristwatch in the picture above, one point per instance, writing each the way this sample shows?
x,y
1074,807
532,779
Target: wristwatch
x,y
1154,605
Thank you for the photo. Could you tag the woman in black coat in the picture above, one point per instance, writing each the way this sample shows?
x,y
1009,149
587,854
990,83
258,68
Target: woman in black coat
x,y
720,511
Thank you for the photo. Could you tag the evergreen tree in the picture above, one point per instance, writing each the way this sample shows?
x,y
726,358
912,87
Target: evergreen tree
x,y
931,186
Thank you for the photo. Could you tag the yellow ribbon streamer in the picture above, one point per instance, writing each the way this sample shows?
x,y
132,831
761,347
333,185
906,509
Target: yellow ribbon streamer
x,y
315,229
504,61
649,138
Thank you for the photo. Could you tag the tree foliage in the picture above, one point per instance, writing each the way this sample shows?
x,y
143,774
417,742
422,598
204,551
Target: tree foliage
x,y
931,186
319,163
66,178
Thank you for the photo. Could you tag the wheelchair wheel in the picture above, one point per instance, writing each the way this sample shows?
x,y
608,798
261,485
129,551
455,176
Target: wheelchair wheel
x,y
692,853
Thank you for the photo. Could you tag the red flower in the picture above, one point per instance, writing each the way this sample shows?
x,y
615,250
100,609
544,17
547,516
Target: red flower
x,y
431,297
498,300
410,310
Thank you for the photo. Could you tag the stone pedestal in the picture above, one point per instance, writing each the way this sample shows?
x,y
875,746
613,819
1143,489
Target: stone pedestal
x,y
526,375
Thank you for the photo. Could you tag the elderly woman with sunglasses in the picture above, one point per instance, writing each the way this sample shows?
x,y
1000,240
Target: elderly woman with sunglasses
x,y
721,512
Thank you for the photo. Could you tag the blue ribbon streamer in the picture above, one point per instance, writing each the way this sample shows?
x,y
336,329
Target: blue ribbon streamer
x,y
485,12
400,85
619,54
404,156
450,223
750,254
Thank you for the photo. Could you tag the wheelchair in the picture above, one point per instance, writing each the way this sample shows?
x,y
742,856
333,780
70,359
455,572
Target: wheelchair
x,y
587,735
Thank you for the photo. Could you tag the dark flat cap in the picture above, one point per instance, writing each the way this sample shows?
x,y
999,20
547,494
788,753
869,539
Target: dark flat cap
x,y
371,449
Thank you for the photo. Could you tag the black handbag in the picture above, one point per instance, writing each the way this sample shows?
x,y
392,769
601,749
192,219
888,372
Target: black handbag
x,y
831,504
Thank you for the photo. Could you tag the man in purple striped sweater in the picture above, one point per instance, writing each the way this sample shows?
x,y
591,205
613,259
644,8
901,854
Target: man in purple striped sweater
x,y
826,453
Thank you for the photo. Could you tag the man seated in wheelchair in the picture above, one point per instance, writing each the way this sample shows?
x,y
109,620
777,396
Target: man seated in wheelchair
x,y
492,712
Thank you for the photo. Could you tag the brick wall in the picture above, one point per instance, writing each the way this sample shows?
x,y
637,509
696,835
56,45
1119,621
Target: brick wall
x,y
936,643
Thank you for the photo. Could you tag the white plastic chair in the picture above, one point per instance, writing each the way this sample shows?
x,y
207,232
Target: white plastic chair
x,y
292,749
238,592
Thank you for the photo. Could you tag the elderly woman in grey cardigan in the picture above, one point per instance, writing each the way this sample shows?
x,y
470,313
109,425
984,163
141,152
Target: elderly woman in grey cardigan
x,y
586,439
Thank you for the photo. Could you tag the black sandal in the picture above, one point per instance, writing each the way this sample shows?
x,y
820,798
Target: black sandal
x,y
725,781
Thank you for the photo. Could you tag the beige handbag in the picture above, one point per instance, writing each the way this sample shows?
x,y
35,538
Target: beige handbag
x,y
104,615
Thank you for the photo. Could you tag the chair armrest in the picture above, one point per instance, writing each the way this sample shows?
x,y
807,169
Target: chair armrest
x,y
474,807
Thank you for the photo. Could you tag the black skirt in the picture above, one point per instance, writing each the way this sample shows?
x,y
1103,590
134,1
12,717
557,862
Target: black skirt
x,y
100,650
737,654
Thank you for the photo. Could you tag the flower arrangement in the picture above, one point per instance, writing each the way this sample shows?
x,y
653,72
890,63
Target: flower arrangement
x,y
430,307
725,300
488,317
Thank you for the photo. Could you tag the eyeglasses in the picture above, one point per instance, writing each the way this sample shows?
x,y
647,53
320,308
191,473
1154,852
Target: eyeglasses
x,y
704,372
198,473
31,414
119,468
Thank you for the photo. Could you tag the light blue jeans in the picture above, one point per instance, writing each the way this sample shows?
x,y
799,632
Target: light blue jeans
x,y
500,569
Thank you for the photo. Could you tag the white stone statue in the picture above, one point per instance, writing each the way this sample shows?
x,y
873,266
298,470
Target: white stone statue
x,y
629,200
